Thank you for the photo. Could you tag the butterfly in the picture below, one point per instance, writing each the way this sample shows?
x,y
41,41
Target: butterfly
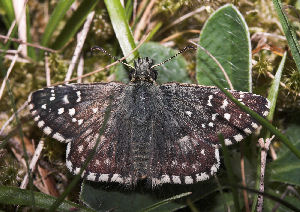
x,y
164,133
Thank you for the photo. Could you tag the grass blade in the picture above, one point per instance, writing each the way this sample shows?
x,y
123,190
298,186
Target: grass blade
x,y
17,196
156,205
74,23
57,15
121,27
289,32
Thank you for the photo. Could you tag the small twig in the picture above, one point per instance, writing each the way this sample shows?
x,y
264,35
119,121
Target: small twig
x,y
134,9
217,62
82,36
273,152
141,25
19,9
12,117
182,18
287,190
177,34
282,84
80,68
9,70
245,194
33,162
47,69
264,148
20,41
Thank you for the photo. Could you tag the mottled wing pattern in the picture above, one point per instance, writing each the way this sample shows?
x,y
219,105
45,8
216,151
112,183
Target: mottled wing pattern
x,y
209,112
74,114
187,123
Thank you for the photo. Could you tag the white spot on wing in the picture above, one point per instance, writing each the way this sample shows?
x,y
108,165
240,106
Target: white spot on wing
x,y
266,113
91,176
247,131
36,118
68,150
188,180
254,125
203,176
80,148
227,141
58,137
69,165
104,177
225,103
95,110
30,106
203,152
214,116
238,137
41,124
209,98
79,96
65,99
210,124
52,98
72,111
80,121
117,178
44,106
189,113
203,125
176,179
60,110
47,130
227,116
165,179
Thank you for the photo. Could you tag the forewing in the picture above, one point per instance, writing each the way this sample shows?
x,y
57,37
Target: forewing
x,y
208,112
74,114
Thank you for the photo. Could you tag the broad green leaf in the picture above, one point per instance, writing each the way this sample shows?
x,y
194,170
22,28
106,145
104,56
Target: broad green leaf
x,y
17,196
226,36
172,71
286,168
289,32
99,198
74,23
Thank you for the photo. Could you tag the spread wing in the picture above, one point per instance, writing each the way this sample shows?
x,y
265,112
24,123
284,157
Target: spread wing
x,y
187,123
74,114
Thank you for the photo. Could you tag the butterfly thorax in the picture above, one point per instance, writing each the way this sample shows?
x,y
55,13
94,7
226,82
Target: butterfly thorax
x,y
143,71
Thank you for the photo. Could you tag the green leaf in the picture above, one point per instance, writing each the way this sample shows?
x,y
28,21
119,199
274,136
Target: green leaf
x,y
97,197
286,168
74,23
172,71
289,32
226,36
56,17
17,196
121,27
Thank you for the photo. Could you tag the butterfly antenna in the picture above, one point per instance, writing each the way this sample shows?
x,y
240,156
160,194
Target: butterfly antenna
x,y
107,53
178,53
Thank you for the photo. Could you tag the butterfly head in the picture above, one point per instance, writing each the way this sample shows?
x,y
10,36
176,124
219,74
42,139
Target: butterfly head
x,y
143,71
